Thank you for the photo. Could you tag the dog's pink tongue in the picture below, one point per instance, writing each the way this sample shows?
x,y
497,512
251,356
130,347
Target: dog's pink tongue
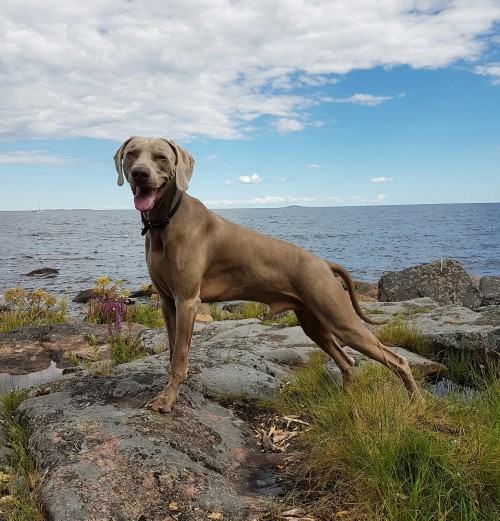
x,y
144,199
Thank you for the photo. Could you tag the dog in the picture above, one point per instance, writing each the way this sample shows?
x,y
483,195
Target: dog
x,y
193,255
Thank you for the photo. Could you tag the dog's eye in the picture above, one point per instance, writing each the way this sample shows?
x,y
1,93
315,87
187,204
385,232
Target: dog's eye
x,y
162,158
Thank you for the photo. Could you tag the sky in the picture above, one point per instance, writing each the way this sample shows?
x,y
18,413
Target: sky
x,y
282,102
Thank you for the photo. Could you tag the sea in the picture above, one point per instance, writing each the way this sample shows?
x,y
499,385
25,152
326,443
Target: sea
x,y
368,240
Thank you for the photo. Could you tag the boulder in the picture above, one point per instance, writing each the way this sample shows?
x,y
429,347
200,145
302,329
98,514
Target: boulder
x,y
445,281
84,296
490,289
42,272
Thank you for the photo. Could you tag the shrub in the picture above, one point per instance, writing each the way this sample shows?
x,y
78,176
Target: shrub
x,y
36,307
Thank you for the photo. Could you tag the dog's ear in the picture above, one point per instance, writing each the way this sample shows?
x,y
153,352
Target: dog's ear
x,y
118,157
184,166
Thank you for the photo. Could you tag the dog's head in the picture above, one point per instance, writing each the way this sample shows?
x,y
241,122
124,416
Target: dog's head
x,y
150,165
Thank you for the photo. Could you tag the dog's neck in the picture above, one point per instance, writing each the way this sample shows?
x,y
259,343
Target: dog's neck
x,y
163,209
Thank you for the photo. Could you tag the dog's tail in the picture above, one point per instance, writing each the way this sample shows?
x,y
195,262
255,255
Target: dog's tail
x,y
337,269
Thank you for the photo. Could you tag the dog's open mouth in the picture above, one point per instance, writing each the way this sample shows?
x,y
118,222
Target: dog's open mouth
x,y
145,196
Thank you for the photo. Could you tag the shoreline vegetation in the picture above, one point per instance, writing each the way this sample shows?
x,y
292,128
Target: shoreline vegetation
x,y
362,452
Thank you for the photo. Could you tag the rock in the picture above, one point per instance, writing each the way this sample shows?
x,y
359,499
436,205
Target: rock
x,y
142,293
42,272
103,456
444,281
84,296
458,328
31,349
446,328
490,288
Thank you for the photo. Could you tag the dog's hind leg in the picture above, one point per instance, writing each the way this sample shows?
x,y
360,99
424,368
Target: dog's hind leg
x,y
361,339
326,341
334,310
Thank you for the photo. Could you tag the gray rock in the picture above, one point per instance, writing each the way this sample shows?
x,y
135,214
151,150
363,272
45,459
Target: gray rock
x,y
447,328
490,288
84,296
105,457
456,327
42,272
444,281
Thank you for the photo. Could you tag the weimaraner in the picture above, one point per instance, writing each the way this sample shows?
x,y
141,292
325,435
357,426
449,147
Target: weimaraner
x,y
194,255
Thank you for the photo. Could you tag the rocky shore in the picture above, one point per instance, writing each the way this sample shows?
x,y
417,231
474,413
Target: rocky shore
x,y
104,457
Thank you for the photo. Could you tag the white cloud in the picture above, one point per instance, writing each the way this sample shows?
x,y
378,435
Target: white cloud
x,y
381,179
380,198
228,182
362,99
34,157
285,125
313,165
208,69
250,179
492,70
268,199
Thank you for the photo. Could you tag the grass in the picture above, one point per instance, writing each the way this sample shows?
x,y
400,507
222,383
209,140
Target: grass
x,y
31,309
23,480
399,333
245,310
372,455
468,368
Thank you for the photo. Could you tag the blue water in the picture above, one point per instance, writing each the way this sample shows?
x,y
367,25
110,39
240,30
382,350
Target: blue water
x,y
368,241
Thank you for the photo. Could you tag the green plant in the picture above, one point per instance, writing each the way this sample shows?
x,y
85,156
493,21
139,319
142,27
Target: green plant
x,y
245,310
23,481
108,304
399,333
286,319
36,307
372,454
124,348
149,315
467,368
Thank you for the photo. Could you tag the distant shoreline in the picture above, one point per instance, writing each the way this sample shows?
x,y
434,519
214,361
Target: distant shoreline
x,y
259,207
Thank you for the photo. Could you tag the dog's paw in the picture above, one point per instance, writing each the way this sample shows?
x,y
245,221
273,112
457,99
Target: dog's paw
x,y
163,402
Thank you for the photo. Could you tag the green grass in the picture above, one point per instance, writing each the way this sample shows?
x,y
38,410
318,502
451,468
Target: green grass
x,y
399,333
371,453
247,310
148,315
31,309
23,479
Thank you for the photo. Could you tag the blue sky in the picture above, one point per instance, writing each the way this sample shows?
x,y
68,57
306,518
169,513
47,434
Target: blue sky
x,y
317,103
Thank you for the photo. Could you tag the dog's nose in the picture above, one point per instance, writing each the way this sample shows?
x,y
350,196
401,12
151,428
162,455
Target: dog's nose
x,y
140,174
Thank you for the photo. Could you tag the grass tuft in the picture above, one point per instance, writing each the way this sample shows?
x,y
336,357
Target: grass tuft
x,y
22,484
245,310
372,454
399,333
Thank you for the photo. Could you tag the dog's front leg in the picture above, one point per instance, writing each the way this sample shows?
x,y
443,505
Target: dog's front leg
x,y
185,316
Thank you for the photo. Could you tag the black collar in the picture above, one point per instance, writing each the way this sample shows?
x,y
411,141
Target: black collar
x,y
159,223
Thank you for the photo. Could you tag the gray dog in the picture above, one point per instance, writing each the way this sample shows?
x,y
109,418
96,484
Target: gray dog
x,y
194,256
